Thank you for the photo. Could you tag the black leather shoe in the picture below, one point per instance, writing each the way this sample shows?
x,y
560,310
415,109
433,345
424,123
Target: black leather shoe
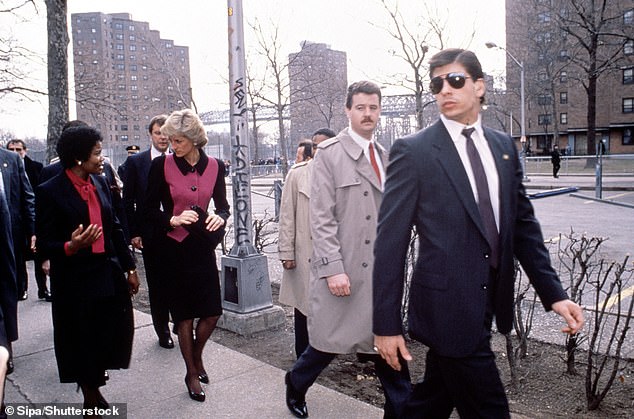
x,y
24,296
295,400
203,377
166,342
199,397
45,295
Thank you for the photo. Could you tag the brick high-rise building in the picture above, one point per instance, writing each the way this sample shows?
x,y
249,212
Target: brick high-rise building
x,y
125,74
318,82
546,35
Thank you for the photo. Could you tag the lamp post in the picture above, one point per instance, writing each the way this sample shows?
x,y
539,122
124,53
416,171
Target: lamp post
x,y
522,104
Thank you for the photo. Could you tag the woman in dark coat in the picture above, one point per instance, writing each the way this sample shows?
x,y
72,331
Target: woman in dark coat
x,y
78,231
180,188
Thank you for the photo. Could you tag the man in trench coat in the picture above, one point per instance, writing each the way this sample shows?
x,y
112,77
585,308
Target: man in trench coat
x,y
345,196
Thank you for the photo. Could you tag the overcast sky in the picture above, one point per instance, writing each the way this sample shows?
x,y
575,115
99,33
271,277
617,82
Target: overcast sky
x,y
353,26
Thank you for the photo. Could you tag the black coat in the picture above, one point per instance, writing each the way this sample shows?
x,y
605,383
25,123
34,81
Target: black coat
x,y
16,223
92,313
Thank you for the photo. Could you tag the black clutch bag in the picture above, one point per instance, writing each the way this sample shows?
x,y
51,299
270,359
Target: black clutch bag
x,y
213,238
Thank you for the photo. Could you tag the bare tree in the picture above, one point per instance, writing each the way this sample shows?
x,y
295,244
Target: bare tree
x,y
596,36
276,91
16,60
58,40
414,44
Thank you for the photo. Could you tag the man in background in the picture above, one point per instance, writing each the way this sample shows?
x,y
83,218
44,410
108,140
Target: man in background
x,y
33,170
143,235
294,243
17,221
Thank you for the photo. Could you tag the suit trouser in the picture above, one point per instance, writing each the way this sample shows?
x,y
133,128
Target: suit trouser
x,y
301,333
40,276
157,288
471,384
396,384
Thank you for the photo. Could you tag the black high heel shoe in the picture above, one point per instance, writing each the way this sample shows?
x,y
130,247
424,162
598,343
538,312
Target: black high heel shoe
x,y
199,397
203,377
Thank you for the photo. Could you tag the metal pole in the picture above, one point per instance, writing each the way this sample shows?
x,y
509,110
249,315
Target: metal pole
x,y
240,144
246,289
523,114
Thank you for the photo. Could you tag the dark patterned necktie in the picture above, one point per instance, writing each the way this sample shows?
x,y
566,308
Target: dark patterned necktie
x,y
484,198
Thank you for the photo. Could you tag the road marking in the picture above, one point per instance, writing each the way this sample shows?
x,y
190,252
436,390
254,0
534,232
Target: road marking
x,y
627,292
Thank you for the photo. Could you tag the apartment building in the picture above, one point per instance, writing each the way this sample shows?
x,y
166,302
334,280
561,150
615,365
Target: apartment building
x,y
125,74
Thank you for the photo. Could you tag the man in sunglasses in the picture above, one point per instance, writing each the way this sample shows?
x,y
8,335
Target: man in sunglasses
x,y
460,185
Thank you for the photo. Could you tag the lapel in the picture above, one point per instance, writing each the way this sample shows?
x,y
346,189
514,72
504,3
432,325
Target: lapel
x,y
362,165
449,159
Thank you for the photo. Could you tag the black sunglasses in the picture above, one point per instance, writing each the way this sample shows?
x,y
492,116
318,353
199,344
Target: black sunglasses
x,y
455,80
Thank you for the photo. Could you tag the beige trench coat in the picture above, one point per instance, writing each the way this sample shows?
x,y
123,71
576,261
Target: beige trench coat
x,y
345,199
294,241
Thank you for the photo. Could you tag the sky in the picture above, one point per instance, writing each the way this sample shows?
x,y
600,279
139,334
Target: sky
x,y
353,26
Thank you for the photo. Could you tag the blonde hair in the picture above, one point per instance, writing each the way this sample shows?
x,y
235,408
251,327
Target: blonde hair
x,y
186,123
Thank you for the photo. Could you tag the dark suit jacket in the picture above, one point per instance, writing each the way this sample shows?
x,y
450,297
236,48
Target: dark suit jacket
x,y
33,169
137,168
60,209
427,187
18,221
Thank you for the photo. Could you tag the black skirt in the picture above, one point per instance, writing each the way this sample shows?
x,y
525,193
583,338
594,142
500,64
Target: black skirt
x,y
193,282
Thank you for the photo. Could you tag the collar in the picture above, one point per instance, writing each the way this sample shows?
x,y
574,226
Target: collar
x,y
364,143
154,153
186,168
455,128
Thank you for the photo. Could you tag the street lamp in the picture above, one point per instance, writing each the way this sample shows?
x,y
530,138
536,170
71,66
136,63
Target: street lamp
x,y
522,104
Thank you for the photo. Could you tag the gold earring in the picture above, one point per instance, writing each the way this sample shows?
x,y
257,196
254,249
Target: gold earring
x,y
79,162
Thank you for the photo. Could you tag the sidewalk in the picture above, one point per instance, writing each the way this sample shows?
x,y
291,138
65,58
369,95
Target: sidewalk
x,y
153,386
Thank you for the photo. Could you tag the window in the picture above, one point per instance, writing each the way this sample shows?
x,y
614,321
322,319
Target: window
x,y
124,127
132,47
543,17
628,17
119,47
93,30
628,48
544,100
563,55
119,56
563,77
132,38
563,118
124,137
118,25
120,66
133,67
134,88
121,87
544,119
563,98
628,75
118,37
133,78
627,137
132,57
628,105
131,28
